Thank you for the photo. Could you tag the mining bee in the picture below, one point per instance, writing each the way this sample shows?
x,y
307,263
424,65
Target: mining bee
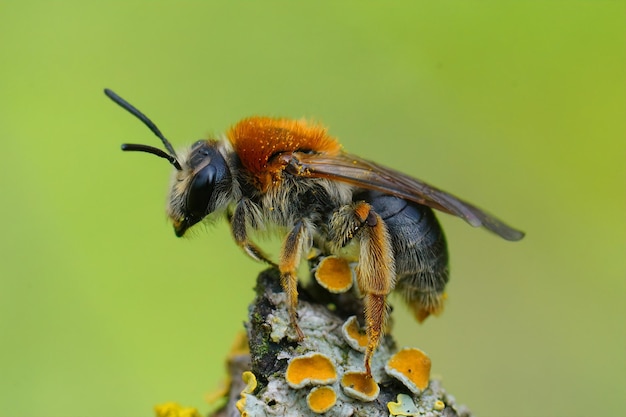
x,y
293,175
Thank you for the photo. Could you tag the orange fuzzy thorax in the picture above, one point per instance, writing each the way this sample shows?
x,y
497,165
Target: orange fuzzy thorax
x,y
256,140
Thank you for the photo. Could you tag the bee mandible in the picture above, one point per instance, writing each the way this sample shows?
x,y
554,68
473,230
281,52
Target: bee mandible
x,y
293,175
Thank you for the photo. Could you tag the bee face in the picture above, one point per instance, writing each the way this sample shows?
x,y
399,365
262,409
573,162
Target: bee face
x,y
201,187
202,181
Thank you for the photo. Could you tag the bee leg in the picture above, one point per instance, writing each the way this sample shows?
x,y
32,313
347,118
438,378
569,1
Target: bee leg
x,y
297,242
375,271
238,225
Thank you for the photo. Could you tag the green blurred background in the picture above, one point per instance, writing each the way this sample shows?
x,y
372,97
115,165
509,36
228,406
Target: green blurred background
x,y
517,107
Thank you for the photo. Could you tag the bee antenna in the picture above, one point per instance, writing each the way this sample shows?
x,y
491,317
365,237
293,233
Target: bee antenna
x,y
154,151
172,157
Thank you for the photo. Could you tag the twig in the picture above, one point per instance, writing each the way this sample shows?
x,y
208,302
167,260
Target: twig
x,y
272,345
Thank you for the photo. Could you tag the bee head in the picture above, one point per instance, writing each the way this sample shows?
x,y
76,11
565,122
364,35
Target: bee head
x,y
201,187
201,182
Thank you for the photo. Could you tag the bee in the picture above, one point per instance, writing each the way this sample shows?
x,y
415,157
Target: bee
x,y
293,175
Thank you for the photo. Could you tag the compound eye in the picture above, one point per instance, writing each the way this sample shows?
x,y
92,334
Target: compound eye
x,y
200,192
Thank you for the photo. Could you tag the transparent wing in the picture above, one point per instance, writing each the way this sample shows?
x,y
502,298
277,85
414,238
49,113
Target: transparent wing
x,y
366,174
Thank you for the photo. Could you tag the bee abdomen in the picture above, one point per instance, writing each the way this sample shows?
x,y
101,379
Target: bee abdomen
x,y
420,251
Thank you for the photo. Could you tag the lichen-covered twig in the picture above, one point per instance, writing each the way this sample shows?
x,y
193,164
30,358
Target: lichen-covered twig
x,y
323,373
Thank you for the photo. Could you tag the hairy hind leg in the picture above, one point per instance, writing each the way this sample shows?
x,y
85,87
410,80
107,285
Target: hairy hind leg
x,y
375,271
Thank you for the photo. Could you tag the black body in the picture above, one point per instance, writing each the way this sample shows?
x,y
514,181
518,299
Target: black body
x,y
419,246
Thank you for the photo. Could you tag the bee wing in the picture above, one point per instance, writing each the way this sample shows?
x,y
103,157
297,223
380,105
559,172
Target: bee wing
x,y
366,174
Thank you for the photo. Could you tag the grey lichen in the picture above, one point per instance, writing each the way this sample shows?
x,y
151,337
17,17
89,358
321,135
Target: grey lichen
x,y
272,345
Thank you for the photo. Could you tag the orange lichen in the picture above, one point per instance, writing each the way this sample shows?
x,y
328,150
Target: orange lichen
x,y
410,366
360,385
321,399
354,335
175,410
334,274
313,368
250,379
